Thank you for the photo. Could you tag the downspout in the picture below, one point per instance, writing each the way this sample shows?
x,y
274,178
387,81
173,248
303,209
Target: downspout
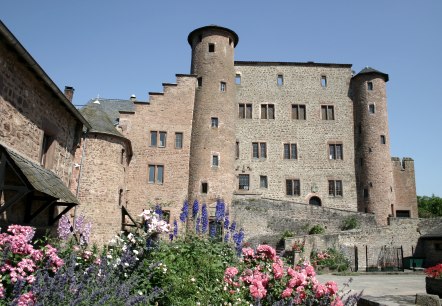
x,y
83,153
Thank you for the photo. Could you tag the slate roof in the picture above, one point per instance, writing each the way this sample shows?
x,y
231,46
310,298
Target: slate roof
x,y
112,107
435,233
369,70
99,120
42,179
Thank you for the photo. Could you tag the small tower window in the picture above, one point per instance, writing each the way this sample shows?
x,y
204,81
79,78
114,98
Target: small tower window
x,y
204,187
383,141
200,81
280,80
223,86
215,160
370,85
237,150
214,122
211,47
365,193
323,81
238,79
371,109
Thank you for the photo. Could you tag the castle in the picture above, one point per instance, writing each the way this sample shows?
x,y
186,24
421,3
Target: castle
x,y
311,133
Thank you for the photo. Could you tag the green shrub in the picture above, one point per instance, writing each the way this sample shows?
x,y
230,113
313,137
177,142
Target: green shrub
x,y
349,223
332,259
316,229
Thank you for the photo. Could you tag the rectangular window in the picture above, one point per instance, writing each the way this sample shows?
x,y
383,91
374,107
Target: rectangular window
x,y
222,86
200,81
298,111
335,188
290,151
153,138
259,150
211,47
335,151
215,160
365,193
238,79
243,182
214,122
237,150
280,80
383,141
245,111
156,174
370,85
204,187
263,181
402,213
162,142
47,151
178,140
323,81
328,112
267,111
371,109
293,187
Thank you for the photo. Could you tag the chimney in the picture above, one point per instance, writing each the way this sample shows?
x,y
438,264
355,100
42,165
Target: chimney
x,y
133,98
69,92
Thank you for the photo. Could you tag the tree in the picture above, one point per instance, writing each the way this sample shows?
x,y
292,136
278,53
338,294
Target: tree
x,y
429,206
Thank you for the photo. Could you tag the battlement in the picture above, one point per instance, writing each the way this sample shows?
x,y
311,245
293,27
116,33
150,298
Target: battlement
x,y
407,163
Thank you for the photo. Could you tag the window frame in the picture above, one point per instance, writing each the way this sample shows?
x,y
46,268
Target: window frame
x,y
371,108
288,148
155,174
323,81
245,178
299,107
243,110
335,188
280,80
263,182
238,79
327,108
333,151
214,122
259,150
47,151
295,187
162,139
179,137
265,111
215,160
369,86
211,48
222,86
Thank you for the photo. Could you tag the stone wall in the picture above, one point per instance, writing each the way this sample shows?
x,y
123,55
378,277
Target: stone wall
x,y
170,112
102,185
313,166
404,185
266,220
28,110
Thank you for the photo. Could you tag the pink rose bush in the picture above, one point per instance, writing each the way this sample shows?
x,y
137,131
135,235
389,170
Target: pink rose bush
x,y
262,277
21,260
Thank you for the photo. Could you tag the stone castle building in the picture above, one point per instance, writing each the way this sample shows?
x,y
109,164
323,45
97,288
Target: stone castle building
x,y
310,133
304,132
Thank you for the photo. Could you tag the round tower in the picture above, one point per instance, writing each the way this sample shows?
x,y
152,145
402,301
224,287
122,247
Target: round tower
x,y
373,161
212,151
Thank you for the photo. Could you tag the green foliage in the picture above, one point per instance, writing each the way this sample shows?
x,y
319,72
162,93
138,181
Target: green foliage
x,y
287,234
316,229
429,207
349,223
332,259
191,270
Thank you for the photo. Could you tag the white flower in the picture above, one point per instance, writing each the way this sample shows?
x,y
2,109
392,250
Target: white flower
x,y
136,252
109,256
140,293
193,279
126,264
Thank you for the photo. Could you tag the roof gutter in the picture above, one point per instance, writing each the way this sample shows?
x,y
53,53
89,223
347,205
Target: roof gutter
x,y
18,47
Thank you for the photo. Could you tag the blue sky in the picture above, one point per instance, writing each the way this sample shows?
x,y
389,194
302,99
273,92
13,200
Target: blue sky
x,y
118,48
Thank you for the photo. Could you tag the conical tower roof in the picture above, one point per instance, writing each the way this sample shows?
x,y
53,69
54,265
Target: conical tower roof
x,y
369,70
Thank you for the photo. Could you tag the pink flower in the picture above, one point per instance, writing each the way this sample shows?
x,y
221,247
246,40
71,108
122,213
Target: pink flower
x,y
300,295
291,272
2,291
287,293
27,299
266,251
231,272
26,231
298,279
278,272
320,290
257,289
337,302
332,287
248,252
310,270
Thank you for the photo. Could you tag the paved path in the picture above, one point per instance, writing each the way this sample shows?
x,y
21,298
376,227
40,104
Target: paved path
x,y
383,287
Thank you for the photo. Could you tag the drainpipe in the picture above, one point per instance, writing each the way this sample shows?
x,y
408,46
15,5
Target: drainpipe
x,y
83,153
